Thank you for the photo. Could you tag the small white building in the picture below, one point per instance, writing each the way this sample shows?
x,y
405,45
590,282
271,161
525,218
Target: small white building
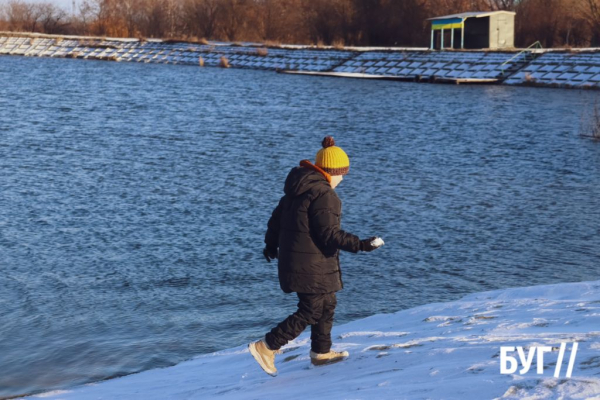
x,y
474,30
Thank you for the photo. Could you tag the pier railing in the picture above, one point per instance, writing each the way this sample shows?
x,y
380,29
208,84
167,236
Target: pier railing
x,y
528,55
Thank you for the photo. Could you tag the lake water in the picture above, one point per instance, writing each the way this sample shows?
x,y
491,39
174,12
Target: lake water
x,y
134,200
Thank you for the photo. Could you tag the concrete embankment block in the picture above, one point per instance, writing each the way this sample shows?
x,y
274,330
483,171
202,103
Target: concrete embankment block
x,y
561,69
568,69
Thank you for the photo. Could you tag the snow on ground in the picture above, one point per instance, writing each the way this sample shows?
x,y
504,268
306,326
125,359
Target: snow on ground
x,y
436,351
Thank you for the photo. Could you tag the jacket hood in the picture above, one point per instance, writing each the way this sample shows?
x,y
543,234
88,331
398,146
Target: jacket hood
x,y
305,177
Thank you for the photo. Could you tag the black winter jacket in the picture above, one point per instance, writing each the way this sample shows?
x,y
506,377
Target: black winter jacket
x,y
305,226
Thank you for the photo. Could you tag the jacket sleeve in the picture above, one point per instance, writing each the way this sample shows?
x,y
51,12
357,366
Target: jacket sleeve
x,y
324,218
272,235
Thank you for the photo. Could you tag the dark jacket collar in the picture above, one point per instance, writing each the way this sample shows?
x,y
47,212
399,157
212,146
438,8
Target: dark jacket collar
x,y
306,177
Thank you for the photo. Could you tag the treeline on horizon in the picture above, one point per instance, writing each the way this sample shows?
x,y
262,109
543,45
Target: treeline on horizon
x,y
555,23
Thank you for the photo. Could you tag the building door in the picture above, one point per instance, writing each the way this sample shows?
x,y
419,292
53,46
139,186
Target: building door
x,y
501,28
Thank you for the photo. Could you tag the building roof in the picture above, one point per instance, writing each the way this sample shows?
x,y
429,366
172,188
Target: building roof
x,y
472,14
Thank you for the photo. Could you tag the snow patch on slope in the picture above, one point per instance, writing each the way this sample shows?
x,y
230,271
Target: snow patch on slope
x,y
442,350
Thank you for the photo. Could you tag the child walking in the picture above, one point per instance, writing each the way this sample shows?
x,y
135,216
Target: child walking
x,y
304,233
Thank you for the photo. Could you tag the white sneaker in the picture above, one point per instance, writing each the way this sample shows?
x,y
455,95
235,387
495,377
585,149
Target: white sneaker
x,y
327,358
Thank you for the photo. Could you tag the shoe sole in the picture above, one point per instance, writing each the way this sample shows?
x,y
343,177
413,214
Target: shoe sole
x,y
259,360
317,363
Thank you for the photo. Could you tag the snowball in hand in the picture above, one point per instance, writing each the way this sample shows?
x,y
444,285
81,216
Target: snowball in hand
x,y
377,242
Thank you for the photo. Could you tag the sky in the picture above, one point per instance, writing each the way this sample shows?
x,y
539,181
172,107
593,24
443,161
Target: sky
x,y
66,4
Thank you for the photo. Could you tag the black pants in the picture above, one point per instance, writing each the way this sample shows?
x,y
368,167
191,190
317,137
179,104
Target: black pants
x,y
315,310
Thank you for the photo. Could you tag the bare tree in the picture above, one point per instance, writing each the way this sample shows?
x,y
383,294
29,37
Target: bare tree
x,y
53,19
234,14
86,16
202,16
508,5
592,15
22,16
323,20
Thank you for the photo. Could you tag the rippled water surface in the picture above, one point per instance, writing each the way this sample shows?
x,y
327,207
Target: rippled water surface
x,y
134,200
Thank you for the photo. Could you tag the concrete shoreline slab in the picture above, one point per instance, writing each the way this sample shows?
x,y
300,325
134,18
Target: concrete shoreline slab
x,y
558,68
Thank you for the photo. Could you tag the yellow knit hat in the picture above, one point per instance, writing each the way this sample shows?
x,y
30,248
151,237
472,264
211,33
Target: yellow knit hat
x,y
332,159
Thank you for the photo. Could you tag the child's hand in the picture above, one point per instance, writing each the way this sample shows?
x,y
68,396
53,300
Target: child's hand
x,y
370,244
270,254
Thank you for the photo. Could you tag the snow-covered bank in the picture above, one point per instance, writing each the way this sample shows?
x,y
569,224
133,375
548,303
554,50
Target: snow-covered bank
x,y
437,351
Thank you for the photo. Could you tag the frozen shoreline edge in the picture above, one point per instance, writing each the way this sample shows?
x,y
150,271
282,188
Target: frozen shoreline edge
x,y
407,354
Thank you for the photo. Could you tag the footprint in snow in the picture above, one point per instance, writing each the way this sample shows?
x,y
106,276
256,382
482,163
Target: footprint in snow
x,y
475,369
394,346
290,358
591,363
288,349
484,317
